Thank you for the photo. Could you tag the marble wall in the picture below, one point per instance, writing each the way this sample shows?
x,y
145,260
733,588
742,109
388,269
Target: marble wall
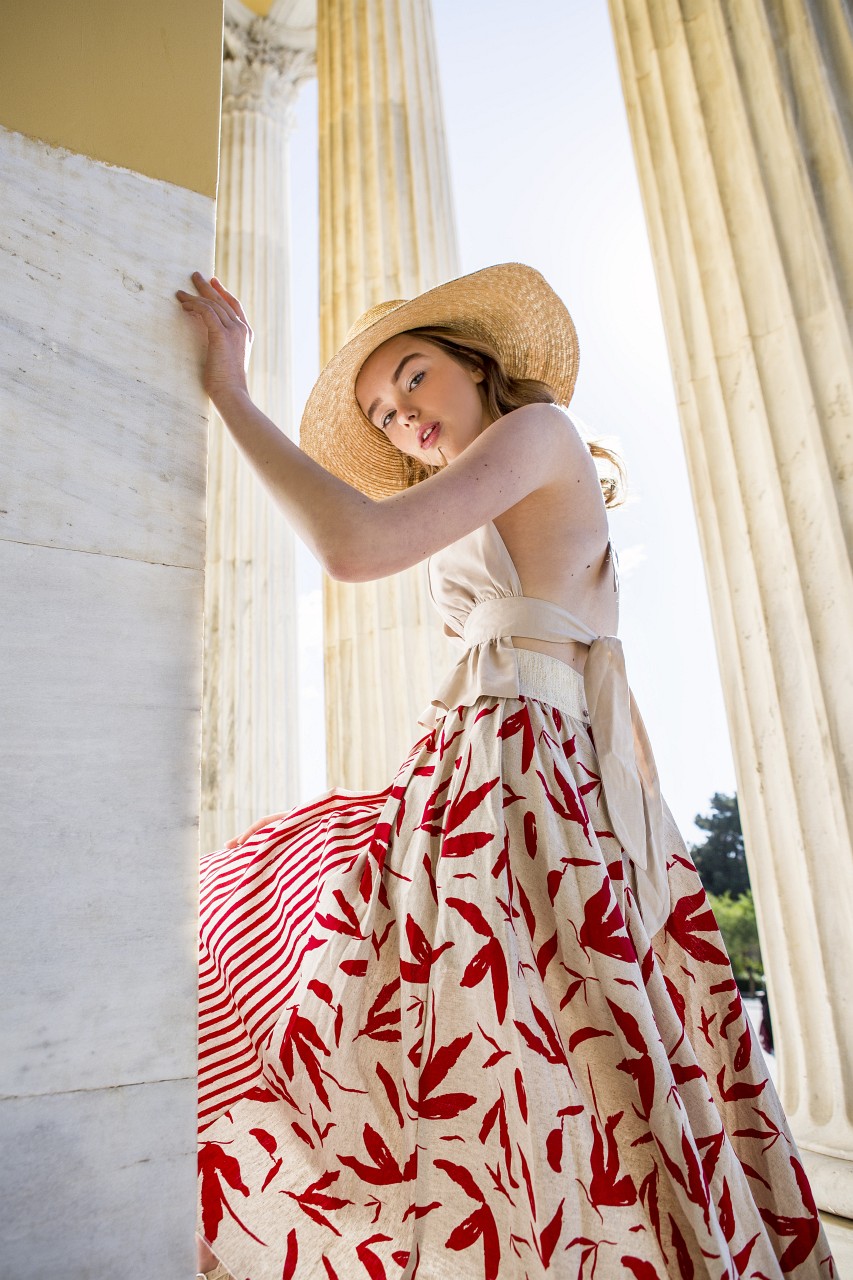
x,y
102,490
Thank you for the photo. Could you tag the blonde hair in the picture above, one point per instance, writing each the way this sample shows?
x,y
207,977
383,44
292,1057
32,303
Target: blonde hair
x,y
503,393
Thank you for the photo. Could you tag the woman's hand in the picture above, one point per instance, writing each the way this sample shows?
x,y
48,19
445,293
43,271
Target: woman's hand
x,y
264,822
229,335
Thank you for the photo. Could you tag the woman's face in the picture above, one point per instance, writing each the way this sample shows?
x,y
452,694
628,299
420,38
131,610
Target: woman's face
x,y
424,401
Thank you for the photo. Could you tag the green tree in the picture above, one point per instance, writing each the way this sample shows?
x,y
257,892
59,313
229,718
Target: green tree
x,y
736,920
721,860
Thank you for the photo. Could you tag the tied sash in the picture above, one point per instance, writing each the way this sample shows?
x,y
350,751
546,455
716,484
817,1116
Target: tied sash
x,y
629,773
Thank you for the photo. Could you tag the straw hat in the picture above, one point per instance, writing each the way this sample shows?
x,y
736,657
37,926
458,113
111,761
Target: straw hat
x,y
511,306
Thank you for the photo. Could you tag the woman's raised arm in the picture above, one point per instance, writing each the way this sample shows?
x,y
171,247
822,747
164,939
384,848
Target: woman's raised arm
x,y
354,537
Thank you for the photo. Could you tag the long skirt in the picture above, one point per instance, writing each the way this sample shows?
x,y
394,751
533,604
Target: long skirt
x,y
436,1039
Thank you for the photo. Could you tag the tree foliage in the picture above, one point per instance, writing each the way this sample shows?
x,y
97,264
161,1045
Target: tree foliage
x,y
721,860
736,920
721,863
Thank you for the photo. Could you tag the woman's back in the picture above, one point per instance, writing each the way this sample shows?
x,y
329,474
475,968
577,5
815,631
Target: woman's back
x,y
558,540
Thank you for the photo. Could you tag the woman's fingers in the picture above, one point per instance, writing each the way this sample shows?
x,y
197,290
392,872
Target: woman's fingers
x,y
214,298
264,822
214,316
233,302
207,290
229,338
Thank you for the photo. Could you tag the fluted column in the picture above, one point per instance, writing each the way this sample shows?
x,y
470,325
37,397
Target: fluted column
x,y
250,763
743,134
386,231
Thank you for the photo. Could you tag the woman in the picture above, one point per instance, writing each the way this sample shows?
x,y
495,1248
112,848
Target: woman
x,y
482,1021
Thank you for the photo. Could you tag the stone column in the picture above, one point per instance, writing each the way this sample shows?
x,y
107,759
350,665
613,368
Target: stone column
x,y
386,231
250,752
743,134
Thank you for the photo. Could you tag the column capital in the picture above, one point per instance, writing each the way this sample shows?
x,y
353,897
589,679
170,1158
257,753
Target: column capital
x,y
264,61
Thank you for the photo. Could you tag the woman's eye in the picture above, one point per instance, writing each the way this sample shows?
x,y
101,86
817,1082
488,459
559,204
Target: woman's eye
x,y
386,421
415,380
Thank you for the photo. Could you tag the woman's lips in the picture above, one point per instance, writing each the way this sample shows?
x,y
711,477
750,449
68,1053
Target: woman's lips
x,y
430,435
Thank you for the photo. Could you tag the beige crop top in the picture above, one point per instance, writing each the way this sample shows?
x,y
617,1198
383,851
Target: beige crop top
x,y
476,588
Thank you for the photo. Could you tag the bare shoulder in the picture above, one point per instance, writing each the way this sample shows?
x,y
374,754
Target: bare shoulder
x,y
549,422
547,427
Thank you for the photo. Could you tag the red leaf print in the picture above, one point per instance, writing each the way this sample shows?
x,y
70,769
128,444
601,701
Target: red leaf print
x,y
425,956
420,1209
490,959
682,1253
681,1075
725,1211
679,1005
369,1260
347,923
554,1149
550,1236
519,722
380,1024
441,1061
462,1178
553,880
462,846
744,1051
629,1027
521,1094
552,1051
214,1164
546,953
291,1257
438,1064
302,1134
639,1268
649,1197
714,1143
573,801
804,1230
266,1140
472,913
526,909
498,1112
585,1033
603,928
434,808
690,916
753,1173
705,1025
773,1132
268,1143
391,1090
741,1258
605,1188
463,804
261,1095
530,833
576,813
479,1223
302,1036
385,1170
498,1051
735,1091
688,1174
321,989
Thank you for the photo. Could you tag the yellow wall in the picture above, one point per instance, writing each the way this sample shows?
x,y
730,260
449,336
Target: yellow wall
x,y
132,84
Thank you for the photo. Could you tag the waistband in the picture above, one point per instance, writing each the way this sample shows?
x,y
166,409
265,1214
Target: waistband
x,y
551,681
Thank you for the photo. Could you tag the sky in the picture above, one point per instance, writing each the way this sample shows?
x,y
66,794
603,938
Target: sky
x,y
542,172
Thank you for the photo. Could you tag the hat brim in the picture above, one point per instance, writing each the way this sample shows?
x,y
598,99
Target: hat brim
x,y
511,306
